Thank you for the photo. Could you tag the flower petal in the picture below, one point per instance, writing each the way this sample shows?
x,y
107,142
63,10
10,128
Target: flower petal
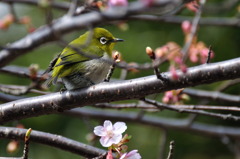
x,y
106,141
116,138
133,155
107,125
99,131
123,156
119,127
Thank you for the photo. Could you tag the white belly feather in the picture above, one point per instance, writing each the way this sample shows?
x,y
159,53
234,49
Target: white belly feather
x,y
97,69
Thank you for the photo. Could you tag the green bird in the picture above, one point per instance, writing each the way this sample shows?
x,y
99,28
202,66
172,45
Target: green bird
x,y
83,62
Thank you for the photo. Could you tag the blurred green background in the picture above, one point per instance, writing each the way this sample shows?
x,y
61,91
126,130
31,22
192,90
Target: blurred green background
x,y
225,43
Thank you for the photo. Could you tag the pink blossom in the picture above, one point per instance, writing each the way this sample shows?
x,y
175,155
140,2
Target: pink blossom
x,y
193,55
113,3
110,134
131,155
178,60
167,97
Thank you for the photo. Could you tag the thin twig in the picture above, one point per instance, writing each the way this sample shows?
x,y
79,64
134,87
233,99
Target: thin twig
x,y
212,95
163,141
26,144
200,112
209,54
12,11
152,56
73,7
176,19
167,123
150,107
227,84
171,150
112,67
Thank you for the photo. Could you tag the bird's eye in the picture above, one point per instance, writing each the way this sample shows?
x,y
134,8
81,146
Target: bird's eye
x,y
103,40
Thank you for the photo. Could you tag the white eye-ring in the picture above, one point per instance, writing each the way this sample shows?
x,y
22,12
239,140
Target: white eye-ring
x,y
103,40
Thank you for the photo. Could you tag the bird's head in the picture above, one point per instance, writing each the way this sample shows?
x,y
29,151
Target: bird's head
x,y
104,40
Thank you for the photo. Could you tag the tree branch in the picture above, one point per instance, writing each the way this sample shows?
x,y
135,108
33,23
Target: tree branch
x,y
52,140
116,91
213,95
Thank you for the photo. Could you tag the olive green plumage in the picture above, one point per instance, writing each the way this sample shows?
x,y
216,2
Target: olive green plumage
x,y
80,64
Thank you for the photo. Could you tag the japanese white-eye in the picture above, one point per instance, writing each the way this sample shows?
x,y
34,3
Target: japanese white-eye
x,y
81,63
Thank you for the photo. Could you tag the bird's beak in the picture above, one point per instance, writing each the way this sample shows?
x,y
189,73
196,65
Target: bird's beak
x,y
116,40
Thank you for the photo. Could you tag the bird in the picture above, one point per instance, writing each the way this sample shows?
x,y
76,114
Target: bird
x,y
83,62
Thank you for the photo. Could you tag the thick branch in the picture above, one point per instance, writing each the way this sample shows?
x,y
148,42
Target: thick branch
x,y
52,140
68,23
116,91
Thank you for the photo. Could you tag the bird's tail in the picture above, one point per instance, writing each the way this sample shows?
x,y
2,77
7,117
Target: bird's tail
x,y
51,80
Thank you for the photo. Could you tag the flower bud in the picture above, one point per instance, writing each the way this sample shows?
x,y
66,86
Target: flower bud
x,y
186,27
114,3
25,20
12,146
174,73
150,52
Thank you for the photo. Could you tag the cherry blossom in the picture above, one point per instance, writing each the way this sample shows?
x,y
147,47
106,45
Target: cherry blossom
x,y
131,155
110,134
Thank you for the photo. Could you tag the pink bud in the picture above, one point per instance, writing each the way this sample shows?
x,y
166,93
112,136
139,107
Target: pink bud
x,y
109,155
204,52
31,29
12,146
174,73
6,21
193,6
9,19
147,2
25,20
169,94
183,68
186,27
165,99
114,3
2,25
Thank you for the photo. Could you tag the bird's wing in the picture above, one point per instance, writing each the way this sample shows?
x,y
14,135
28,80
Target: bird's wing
x,y
70,56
